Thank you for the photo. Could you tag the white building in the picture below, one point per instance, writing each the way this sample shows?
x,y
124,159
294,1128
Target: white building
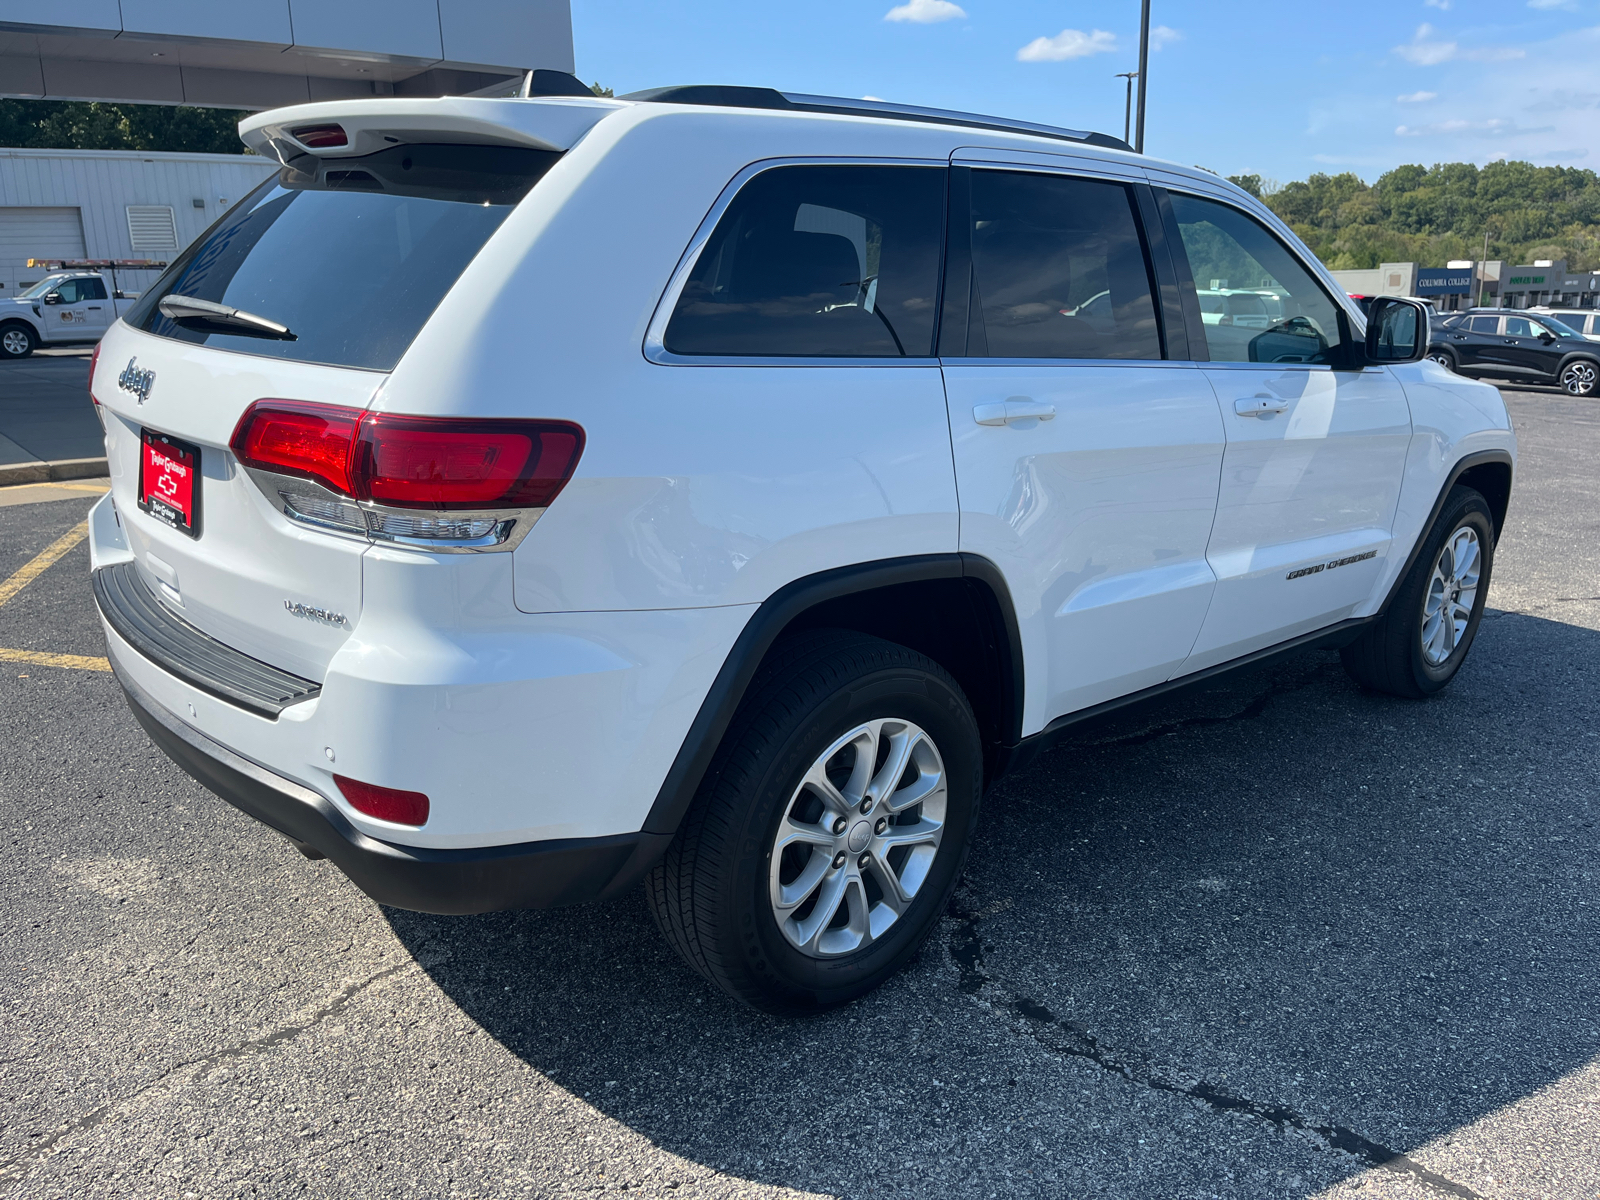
x,y
112,204
268,53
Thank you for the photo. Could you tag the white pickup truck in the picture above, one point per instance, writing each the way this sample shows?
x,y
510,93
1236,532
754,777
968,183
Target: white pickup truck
x,y
64,308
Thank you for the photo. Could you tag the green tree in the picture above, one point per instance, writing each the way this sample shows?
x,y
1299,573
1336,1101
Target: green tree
x,y
81,125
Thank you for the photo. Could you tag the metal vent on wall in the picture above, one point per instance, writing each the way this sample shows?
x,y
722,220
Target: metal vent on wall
x,y
152,227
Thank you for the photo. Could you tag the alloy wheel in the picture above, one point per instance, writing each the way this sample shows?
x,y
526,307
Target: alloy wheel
x,y
1579,378
1452,591
14,342
1444,360
858,838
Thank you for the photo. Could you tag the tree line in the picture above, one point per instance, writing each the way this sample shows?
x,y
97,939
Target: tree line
x,y
1433,214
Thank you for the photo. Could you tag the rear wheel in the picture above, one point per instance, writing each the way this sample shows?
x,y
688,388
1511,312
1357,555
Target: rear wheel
x,y
17,340
1420,642
1579,378
832,828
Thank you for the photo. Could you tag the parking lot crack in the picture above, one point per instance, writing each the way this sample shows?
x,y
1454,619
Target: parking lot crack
x,y
1072,1039
13,1168
1250,712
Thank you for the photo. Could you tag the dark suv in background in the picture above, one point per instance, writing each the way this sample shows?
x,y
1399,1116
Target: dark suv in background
x,y
1516,346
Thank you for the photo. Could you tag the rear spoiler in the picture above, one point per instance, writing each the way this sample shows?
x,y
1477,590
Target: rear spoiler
x,y
349,128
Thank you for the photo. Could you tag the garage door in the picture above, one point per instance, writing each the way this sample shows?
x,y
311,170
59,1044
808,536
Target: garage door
x,y
36,233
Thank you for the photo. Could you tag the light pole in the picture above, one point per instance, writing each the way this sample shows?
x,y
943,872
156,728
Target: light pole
x,y
1144,72
1127,109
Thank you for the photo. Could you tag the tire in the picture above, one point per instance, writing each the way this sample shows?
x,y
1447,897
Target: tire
x,y
733,902
17,340
1579,377
1443,357
1421,640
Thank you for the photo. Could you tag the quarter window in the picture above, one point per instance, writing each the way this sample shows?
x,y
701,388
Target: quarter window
x,y
1257,303
1059,270
819,261
1485,324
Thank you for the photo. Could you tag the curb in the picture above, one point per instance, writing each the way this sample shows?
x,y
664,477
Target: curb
x,y
58,471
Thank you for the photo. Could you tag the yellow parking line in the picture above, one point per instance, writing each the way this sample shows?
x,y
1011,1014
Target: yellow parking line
x,y
42,561
75,662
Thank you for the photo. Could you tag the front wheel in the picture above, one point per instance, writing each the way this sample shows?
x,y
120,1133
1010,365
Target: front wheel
x,y
1422,639
1444,358
17,341
1579,378
831,830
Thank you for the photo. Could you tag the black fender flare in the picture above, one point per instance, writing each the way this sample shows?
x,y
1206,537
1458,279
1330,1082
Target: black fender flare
x,y
1588,356
1461,467
775,614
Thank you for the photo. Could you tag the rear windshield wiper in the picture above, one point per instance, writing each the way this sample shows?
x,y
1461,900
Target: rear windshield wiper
x,y
194,312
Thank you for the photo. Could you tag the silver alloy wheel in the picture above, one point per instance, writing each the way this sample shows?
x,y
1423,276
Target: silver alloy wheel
x,y
15,342
1443,359
858,838
1452,590
1579,378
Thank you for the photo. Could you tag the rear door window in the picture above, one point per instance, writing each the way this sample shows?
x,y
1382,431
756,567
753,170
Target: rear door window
x,y
353,255
1059,268
1485,324
819,261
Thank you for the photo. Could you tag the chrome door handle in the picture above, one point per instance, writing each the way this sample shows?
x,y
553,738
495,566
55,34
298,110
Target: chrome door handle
x,y
1014,408
1259,406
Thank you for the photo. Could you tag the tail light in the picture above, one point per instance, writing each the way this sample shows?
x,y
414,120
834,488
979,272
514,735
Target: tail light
x,y
386,804
319,137
392,474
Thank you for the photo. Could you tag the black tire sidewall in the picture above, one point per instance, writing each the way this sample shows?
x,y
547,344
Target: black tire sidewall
x,y
1468,508
33,341
762,951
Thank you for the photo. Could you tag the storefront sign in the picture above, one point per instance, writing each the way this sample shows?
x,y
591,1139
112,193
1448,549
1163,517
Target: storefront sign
x,y
1443,283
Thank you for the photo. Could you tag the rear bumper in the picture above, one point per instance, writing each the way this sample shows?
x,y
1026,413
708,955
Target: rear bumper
x,y
451,882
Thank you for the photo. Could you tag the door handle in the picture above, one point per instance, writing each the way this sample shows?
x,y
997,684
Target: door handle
x,y
1014,408
1259,406
94,308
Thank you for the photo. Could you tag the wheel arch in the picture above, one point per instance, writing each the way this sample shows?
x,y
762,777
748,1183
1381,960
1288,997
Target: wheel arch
x,y
18,319
1489,472
955,608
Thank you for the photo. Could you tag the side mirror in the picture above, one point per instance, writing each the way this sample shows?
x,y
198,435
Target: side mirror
x,y
1547,337
1397,330
52,298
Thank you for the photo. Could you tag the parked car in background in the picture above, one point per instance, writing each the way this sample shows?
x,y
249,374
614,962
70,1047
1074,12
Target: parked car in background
x,y
1249,308
1529,347
1585,320
63,309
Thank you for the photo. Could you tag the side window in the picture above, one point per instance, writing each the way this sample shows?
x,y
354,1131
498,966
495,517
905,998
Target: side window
x,y
91,289
823,261
1257,303
1485,324
1520,327
69,291
1591,325
1059,268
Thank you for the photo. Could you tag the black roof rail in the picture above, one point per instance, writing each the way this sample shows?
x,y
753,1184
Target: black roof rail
x,y
729,96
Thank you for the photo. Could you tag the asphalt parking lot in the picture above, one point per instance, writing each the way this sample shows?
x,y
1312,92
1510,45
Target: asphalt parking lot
x,y
1280,939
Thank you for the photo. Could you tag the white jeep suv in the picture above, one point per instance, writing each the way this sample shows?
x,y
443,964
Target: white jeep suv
x,y
514,500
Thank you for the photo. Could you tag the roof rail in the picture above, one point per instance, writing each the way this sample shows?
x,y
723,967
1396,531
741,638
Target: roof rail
x,y
729,96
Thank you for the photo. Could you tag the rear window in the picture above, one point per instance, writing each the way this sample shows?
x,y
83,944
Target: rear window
x,y
352,254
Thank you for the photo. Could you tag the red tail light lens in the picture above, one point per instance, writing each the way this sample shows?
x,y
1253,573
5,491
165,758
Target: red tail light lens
x,y
319,136
446,463
295,437
440,463
386,804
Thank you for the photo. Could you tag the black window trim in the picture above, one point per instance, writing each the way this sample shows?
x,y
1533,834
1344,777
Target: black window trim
x,y
654,348
962,338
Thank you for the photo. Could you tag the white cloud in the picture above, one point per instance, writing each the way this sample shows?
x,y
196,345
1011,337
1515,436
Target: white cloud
x,y
1440,4
1492,127
1069,43
1426,50
925,12
1163,35
1417,97
1566,4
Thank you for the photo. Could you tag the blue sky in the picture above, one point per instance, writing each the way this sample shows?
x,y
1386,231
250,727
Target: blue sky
x,y
1237,85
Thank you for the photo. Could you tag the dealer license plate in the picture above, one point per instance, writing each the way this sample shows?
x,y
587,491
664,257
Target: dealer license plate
x,y
169,481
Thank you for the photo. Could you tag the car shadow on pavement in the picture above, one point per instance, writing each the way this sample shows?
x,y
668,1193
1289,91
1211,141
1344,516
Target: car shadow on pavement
x,y
1277,906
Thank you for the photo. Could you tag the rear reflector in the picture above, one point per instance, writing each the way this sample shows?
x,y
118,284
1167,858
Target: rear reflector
x,y
384,804
320,136
436,463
